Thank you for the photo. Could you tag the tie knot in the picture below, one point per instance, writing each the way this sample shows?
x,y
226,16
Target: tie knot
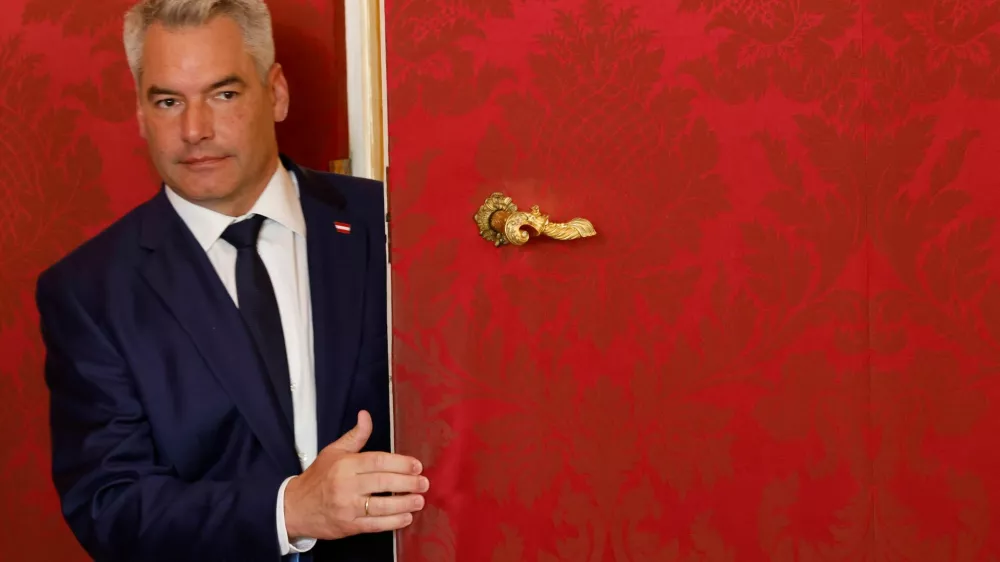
x,y
243,234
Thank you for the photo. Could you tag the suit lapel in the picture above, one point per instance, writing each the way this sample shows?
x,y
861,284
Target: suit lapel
x,y
180,273
336,284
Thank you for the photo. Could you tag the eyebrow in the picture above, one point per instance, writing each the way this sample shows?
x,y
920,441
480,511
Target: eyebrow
x,y
230,80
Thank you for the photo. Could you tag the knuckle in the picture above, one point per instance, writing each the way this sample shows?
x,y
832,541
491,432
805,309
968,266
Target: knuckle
x,y
340,471
343,513
340,495
334,481
337,500
335,493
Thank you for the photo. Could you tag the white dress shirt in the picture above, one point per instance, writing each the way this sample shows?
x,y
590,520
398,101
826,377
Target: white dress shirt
x,y
282,247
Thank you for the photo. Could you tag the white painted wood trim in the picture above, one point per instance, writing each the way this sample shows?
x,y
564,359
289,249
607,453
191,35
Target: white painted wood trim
x,y
365,86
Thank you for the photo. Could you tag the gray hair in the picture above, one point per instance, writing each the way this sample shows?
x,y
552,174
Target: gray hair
x,y
252,16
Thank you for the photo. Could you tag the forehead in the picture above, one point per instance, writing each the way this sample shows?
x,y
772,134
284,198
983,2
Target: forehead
x,y
194,55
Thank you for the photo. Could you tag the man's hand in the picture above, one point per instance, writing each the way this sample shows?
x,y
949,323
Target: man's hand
x,y
327,501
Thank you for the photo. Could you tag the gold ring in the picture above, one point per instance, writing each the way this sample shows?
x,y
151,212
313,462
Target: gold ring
x,y
367,500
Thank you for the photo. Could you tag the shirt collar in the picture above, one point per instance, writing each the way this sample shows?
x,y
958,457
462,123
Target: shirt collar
x,y
278,202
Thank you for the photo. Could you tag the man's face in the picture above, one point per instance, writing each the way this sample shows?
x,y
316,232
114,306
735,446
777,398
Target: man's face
x,y
207,115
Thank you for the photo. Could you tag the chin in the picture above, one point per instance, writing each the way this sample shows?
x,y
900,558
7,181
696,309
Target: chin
x,y
200,190
213,184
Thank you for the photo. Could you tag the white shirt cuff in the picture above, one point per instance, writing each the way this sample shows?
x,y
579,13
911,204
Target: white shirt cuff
x,y
286,546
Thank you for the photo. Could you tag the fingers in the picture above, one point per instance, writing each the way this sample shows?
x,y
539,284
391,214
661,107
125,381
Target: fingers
x,y
379,482
387,462
383,506
387,523
355,439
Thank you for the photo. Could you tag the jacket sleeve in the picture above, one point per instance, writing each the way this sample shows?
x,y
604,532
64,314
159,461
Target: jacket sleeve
x,y
119,499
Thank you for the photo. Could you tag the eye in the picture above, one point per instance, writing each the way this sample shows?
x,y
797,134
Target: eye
x,y
228,95
166,103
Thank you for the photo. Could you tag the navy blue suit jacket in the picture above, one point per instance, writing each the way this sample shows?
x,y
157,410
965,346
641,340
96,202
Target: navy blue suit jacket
x,y
167,441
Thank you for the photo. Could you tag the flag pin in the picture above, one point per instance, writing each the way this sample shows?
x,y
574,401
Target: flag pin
x,y
342,227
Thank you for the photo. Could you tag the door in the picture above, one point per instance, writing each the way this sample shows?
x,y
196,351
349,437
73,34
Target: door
x,y
782,341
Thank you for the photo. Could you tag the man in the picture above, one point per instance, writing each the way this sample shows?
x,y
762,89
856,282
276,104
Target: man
x,y
205,347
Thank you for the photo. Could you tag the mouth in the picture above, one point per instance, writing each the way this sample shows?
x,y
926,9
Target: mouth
x,y
203,161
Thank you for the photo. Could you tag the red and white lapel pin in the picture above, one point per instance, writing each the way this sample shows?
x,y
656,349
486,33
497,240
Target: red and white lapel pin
x,y
342,227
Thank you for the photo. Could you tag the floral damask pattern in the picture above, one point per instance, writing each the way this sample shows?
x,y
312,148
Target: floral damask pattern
x,y
45,210
781,345
933,356
38,223
946,43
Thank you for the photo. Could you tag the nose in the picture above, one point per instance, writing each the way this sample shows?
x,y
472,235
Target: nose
x,y
197,123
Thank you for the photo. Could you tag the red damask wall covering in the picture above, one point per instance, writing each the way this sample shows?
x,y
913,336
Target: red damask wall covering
x,y
71,161
784,342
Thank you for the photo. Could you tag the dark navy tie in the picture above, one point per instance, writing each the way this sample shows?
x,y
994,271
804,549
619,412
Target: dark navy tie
x,y
259,307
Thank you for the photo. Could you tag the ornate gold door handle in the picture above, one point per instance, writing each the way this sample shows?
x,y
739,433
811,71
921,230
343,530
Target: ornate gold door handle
x,y
501,223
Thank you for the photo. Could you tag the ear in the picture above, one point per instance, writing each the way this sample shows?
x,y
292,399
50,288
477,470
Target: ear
x,y
279,92
140,117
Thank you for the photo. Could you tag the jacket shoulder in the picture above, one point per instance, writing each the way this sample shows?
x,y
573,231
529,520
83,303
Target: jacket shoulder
x,y
362,197
91,262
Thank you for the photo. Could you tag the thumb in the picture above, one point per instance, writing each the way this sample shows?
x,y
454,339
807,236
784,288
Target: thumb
x,y
354,440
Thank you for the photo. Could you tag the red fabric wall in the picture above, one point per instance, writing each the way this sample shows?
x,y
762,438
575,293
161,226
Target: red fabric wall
x,y
784,342
71,161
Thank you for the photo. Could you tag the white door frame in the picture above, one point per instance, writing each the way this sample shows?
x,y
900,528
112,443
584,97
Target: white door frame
x,y
365,49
